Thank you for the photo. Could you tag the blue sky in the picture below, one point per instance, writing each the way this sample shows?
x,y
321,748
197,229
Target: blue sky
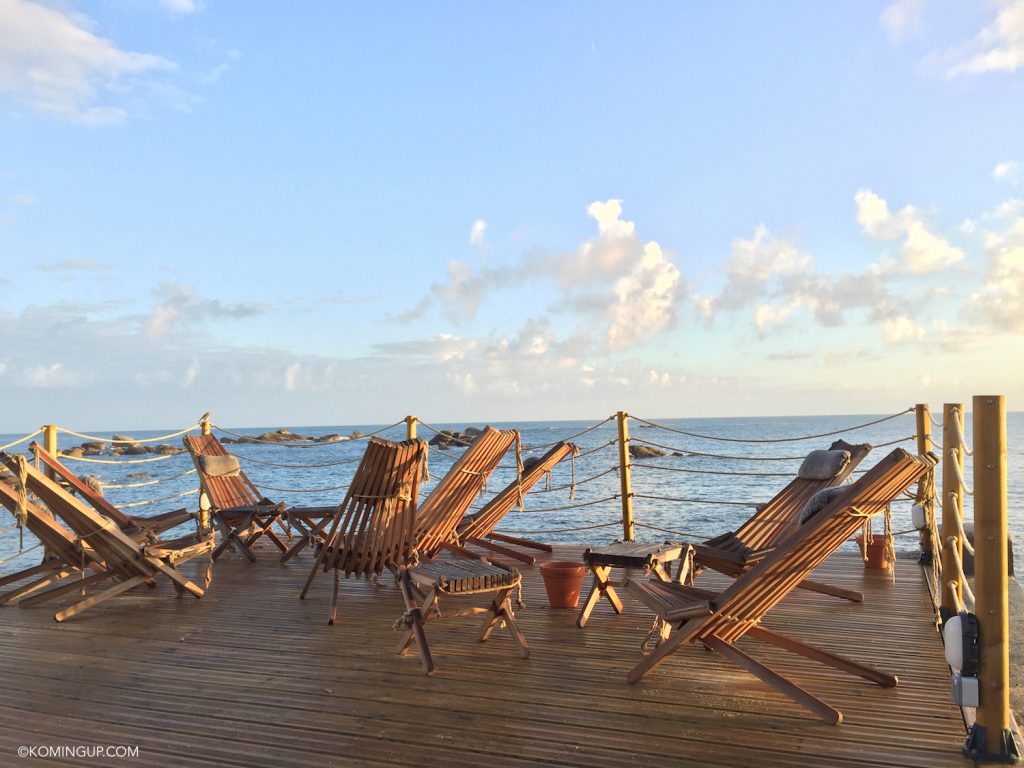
x,y
338,213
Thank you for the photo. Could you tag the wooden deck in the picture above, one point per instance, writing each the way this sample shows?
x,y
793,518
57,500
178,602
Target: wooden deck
x,y
250,675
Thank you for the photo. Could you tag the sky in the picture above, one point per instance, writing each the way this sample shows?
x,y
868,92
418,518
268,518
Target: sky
x,y
343,213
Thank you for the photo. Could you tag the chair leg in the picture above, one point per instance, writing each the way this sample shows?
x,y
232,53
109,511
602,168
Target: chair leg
x,y
805,699
828,589
35,570
658,655
824,657
334,598
63,589
98,598
416,618
27,589
513,628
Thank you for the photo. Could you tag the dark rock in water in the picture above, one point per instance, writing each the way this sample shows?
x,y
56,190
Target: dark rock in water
x,y
136,475
74,453
448,438
128,439
679,453
283,436
644,452
355,434
332,438
93,446
135,450
530,462
228,441
92,451
470,432
165,449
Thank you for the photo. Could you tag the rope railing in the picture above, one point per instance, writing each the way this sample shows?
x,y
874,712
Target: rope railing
x,y
92,460
684,534
155,481
144,502
589,429
967,591
635,465
300,490
305,444
960,524
935,422
954,461
559,530
958,428
19,553
20,440
133,440
601,447
285,465
720,438
696,501
569,506
688,452
895,442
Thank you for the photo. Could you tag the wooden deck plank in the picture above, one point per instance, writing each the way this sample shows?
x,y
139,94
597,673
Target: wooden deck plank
x,y
251,675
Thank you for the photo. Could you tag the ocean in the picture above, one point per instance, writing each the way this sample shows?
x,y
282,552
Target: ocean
x,y
677,496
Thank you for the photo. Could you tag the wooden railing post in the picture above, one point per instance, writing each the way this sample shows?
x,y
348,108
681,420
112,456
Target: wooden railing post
x,y
204,424
924,494
991,738
50,445
410,427
952,508
622,419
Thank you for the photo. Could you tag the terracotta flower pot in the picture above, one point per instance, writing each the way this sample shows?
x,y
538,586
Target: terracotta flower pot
x,y
563,581
876,552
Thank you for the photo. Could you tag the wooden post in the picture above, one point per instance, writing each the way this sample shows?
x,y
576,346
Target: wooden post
x,y
952,507
204,424
924,494
991,738
50,445
622,418
410,427
203,522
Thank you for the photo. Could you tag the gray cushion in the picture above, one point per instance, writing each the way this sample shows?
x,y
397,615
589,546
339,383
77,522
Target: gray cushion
x,y
823,465
220,466
818,502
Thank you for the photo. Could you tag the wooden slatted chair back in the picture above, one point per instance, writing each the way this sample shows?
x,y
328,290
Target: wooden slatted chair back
x,y
439,515
771,521
119,551
55,537
752,595
223,492
481,524
98,502
375,523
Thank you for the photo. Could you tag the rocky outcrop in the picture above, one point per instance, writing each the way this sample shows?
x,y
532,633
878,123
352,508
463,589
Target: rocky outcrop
x,y
644,452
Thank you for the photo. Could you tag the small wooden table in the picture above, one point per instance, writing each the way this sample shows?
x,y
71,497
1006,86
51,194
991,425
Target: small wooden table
x,y
652,558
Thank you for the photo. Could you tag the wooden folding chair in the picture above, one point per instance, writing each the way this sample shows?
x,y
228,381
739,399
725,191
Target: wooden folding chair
x,y
241,512
735,552
64,554
478,529
130,524
120,557
374,527
719,621
424,585
441,512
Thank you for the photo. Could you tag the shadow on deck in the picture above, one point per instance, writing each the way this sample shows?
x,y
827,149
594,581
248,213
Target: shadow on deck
x,y
250,675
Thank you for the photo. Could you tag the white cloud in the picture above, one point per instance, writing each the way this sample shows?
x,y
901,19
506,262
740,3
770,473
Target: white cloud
x,y
756,262
53,376
646,299
999,47
191,373
477,232
1000,302
608,216
768,317
902,18
900,329
53,63
922,252
1007,171
181,303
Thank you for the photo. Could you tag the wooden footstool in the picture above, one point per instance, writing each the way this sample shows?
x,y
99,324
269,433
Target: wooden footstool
x,y
652,558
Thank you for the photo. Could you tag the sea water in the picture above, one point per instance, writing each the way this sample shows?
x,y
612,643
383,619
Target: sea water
x,y
686,496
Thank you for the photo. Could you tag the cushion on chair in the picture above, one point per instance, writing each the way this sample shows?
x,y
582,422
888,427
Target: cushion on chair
x,y
220,466
823,465
818,502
